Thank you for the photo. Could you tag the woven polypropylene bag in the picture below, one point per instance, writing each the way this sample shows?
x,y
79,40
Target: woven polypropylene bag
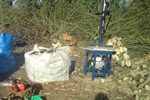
x,y
45,65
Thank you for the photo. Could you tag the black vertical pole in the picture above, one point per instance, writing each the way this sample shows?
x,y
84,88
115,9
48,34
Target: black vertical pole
x,y
102,24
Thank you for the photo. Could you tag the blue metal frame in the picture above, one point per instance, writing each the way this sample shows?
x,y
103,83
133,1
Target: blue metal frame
x,y
107,67
106,70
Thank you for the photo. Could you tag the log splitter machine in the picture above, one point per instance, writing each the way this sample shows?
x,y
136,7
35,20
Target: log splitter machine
x,y
101,54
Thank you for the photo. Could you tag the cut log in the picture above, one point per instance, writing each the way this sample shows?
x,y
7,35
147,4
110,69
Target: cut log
x,y
147,87
109,42
128,63
126,56
123,63
135,91
144,83
124,74
119,43
144,66
57,45
141,80
118,52
138,68
125,49
140,90
134,88
125,78
116,58
134,82
130,78
137,77
122,49
114,41
69,39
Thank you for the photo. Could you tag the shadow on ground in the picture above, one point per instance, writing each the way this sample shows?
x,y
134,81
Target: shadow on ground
x,y
72,67
101,96
19,58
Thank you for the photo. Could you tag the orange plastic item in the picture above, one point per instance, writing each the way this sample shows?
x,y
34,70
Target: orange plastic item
x,y
19,86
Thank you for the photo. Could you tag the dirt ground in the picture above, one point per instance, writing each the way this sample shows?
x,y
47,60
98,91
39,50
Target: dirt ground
x,y
78,87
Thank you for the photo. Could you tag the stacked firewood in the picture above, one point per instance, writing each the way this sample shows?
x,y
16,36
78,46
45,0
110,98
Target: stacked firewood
x,y
134,79
122,57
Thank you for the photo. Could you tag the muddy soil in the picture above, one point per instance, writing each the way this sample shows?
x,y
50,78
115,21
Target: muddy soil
x,y
78,87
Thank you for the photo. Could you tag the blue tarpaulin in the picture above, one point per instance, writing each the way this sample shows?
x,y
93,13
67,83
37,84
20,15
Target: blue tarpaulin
x,y
7,61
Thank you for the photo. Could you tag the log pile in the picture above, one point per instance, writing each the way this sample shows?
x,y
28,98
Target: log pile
x,y
122,57
66,40
134,78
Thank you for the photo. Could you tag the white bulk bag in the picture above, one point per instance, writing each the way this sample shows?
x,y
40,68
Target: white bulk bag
x,y
47,65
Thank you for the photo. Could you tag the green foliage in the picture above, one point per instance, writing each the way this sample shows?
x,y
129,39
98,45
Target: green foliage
x,y
78,18
5,3
131,23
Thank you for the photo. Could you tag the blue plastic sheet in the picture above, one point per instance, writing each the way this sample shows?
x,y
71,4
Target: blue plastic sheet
x,y
7,61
